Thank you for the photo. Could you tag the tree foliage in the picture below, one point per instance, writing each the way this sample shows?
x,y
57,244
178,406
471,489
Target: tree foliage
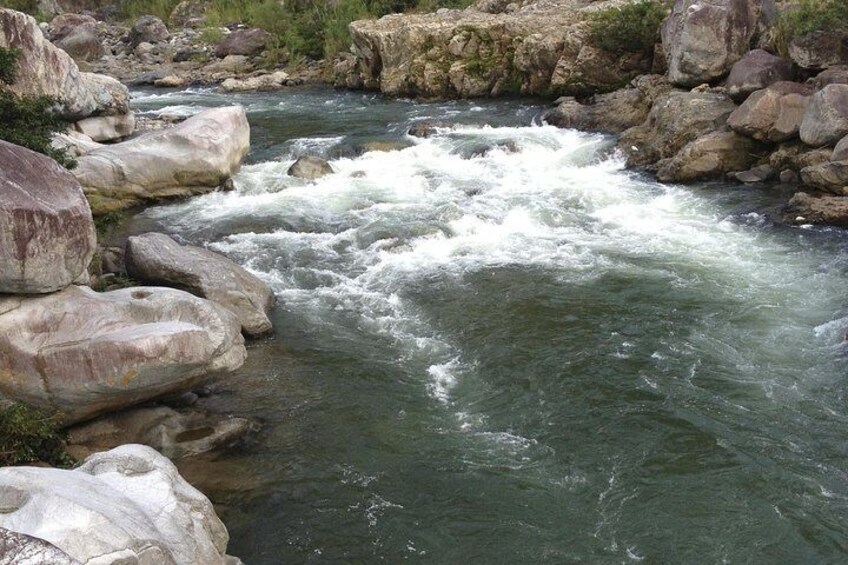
x,y
632,28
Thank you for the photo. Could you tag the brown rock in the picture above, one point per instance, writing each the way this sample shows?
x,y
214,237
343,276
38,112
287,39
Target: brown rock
x,y
710,156
247,42
820,49
826,118
831,176
773,114
831,210
148,29
756,70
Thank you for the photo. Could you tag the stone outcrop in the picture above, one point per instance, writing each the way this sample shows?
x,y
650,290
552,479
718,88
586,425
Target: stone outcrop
x,y
247,42
193,157
83,353
820,49
310,167
155,258
21,549
710,156
107,128
128,505
702,39
46,231
831,176
806,209
44,69
756,70
541,47
826,118
773,114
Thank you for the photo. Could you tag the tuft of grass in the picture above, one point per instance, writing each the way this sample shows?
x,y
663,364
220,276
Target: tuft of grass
x,y
806,16
632,28
28,435
131,10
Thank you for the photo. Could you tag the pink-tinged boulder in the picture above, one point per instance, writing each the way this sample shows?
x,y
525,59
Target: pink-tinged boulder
x,y
756,70
83,353
47,235
826,118
773,114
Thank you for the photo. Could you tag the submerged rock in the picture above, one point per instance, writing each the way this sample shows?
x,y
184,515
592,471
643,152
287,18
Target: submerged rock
x,y
193,157
155,258
310,168
82,353
128,505
46,231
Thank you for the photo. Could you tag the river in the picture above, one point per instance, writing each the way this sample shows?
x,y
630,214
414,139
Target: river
x,y
497,345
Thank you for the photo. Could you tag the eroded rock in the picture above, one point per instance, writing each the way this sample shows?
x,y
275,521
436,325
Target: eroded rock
x,y
310,167
773,114
804,208
820,49
831,176
709,156
826,118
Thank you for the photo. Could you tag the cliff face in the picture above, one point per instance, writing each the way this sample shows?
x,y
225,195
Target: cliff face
x,y
539,48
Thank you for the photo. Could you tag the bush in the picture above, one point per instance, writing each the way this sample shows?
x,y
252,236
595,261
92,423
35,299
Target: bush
x,y
632,28
28,435
807,16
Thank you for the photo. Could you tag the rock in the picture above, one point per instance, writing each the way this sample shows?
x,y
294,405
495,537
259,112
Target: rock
x,y
428,128
21,549
272,81
44,69
149,78
173,434
709,156
773,114
756,70
229,64
831,210
788,176
310,168
128,505
675,119
613,112
758,174
107,128
82,353
826,118
82,45
702,39
820,49
840,152
170,81
248,42
65,24
74,143
46,231
155,258
832,75
190,158
188,14
831,176
147,29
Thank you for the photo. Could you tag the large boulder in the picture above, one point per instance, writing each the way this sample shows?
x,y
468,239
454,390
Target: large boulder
x,y
193,157
709,156
702,39
676,119
82,353
46,232
772,114
127,505
832,75
820,49
840,152
826,118
247,42
76,34
830,176
64,25
756,70
155,258
21,549
147,29
107,128
44,69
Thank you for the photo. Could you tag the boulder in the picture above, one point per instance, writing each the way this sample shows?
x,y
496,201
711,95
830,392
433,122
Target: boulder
x,y
74,143
82,45
613,112
107,128
840,152
82,353
806,209
128,505
755,175
310,168
832,75
831,176
826,118
756,70
173,434
675,119
820,49
44,69
188,14
147,29
702,39
170,81
193,157
22,549
247,42
64,25
271,81
709,156
155,258
773,114
46,232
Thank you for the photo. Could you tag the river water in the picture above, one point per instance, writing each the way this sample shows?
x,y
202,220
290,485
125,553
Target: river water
x,y
497,345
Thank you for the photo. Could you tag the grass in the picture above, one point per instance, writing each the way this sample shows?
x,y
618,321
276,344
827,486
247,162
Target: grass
x,y
632,28
807,16
28,435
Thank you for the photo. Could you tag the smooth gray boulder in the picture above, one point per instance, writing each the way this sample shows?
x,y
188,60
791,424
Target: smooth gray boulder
x,y
310,168
125,506
83,353
193,157
47,236
826,118
773,114
756,70
155,258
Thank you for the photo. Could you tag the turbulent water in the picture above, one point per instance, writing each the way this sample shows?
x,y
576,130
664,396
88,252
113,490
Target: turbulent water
x,y
496,345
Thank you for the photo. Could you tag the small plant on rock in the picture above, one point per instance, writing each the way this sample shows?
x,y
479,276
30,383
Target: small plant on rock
x,y
28,435
632,28
806,16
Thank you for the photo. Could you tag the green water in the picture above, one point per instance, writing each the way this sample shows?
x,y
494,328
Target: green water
x,y
498,346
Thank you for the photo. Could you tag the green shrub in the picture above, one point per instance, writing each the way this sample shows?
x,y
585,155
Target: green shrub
x,y
807,16
632,28
8,65
26,6
28,435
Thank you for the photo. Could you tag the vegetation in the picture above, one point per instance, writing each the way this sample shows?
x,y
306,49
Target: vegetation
x,y
26,120
28,435
807,16
632,28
